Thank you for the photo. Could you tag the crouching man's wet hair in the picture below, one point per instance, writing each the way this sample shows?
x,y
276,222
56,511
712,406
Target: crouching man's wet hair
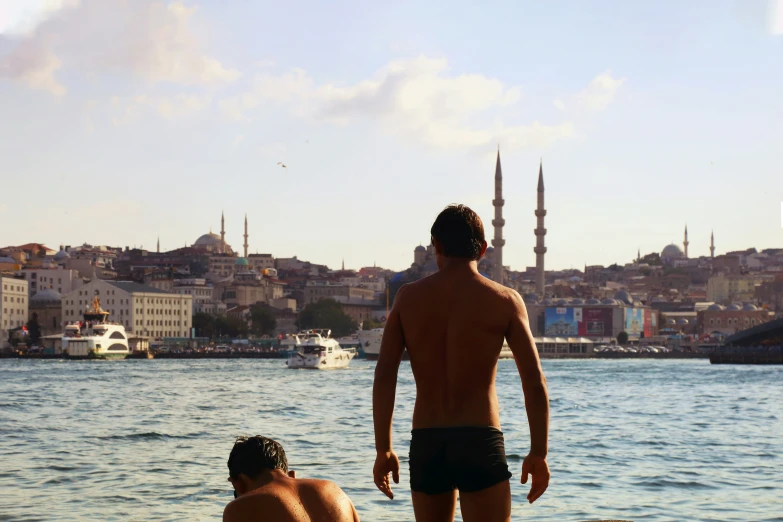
x,y
253,455
460,232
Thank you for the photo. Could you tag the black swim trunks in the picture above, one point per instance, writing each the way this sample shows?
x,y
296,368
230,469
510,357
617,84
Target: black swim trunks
x,y
464,458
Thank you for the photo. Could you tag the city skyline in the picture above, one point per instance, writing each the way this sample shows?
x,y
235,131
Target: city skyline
x,y
382,129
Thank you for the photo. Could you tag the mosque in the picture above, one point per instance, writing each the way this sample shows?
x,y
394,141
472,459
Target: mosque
x,y
672,253
216,244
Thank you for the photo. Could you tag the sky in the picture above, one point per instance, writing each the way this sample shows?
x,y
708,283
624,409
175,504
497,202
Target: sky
x,y
124,121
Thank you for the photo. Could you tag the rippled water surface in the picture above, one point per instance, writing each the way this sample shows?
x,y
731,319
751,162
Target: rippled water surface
x,y
149,440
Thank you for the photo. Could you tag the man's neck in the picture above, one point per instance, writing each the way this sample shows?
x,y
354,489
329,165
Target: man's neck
x,y
458,265
266,478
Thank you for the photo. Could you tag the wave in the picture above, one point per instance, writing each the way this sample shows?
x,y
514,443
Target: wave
x,y
151,435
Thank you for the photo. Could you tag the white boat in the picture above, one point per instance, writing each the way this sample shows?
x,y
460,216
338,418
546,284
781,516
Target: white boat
x,y
316,350
95,337
371,342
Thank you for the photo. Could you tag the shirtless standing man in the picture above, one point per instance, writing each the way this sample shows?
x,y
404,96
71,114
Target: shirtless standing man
x,y
266,490
453,324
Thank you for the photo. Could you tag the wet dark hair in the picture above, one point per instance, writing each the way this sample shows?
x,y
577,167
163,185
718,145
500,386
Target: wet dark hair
x,y
460,232
252,455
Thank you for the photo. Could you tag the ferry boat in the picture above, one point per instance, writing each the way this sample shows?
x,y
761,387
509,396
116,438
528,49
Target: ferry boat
x,y
371,342
95,337
317,350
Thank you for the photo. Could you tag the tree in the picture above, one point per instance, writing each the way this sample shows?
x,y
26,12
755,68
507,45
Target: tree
x,y
262,319
230,326
327,313
622,338
369,324
34,330
204,325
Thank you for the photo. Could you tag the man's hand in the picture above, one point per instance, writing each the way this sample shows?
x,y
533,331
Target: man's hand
x,y
386,463
536,466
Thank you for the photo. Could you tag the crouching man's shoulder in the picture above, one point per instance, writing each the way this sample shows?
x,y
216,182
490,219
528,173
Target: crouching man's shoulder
x,y
335,501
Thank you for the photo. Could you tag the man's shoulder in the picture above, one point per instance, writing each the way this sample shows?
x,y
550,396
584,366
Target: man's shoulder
x,y
322,487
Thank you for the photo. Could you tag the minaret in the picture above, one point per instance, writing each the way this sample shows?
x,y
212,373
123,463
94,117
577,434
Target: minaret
x,y
222,232
712,244
638,256
685,242
498,222
540,232
158,244
245,236
343,264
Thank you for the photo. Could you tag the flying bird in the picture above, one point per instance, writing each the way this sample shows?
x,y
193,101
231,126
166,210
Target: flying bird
x,y
282,165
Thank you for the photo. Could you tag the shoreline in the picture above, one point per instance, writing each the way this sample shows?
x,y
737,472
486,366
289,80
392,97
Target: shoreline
x,y
273,355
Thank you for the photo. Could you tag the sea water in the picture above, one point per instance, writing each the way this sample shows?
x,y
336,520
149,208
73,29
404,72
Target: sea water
x,y
642,440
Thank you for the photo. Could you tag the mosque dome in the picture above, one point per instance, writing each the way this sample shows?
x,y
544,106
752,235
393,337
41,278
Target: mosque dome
x,y
577,301
562,302
62,255
46,296
420,249
592,301
208,240
671,252
241,261
715,308
671,321
749,308
682,320
733,308
608,301
623,297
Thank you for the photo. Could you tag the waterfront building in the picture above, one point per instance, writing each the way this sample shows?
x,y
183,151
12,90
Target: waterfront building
x,y
142,309
46,308
356,308
731,319
14,297
727,288
315,290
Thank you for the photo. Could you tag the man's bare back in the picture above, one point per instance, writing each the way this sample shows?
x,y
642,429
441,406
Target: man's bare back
x,y
286,499
453,324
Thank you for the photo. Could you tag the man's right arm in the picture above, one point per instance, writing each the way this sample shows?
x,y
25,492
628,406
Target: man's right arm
x,y
383,392
520,340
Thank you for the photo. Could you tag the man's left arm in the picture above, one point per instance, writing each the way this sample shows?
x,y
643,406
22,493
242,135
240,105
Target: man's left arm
x,y
383,392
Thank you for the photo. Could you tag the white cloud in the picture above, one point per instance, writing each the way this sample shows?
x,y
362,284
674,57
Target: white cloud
x,y
182,105
559,105
23,16
266,62
776,16
600,92
416,99
34,65
129,110
152,41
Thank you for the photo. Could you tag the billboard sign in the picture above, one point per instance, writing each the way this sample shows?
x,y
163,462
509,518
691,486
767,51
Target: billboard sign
x,y
634,322
570,322
560,322
648,322
596,322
